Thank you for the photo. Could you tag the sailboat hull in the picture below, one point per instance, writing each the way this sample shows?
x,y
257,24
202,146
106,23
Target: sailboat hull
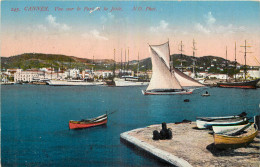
x,y
182,92
130,83
244,85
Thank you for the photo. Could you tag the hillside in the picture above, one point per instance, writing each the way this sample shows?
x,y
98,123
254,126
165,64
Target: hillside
x,y
39,60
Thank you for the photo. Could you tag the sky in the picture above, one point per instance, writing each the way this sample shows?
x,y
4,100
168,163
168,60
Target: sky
x,y
133,25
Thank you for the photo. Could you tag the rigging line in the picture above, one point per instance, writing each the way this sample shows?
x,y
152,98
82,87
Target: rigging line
x,y
256,60
111,112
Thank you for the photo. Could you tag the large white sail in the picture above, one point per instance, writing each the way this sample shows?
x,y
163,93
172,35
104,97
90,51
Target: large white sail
x,y
185,80
162,78
163,51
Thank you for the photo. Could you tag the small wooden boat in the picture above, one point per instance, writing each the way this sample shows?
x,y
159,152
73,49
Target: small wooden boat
x,y
226,129
186,100
86,123
243,114
206,94
202,124
245,137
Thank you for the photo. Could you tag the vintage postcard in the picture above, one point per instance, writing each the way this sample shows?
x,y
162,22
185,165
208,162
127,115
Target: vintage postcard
x,y
130,83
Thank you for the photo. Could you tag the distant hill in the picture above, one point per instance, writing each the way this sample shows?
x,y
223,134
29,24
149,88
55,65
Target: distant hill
x,y
39,60
205,61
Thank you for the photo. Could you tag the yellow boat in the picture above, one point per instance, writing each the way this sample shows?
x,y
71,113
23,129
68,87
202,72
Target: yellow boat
x,y
225,140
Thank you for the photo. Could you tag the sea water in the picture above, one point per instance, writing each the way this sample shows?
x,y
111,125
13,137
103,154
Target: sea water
x,y
35,132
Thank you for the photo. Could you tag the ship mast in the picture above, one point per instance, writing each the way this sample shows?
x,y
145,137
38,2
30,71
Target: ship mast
x,y
235,61
181,55
125,63
138,66
193,68
226,65
128,62
114,63
51,70
121,62
245,70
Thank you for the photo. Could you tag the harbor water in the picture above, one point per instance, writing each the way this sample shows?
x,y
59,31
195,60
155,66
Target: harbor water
x,y
35,132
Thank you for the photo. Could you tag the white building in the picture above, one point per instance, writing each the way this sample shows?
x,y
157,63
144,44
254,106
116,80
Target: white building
x,y
103,73
251,74
107,73
11,72
217,76
202,75
254,73
26,76
72,73
53,75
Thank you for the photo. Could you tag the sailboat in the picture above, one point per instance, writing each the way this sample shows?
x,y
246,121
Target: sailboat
x,y
245,84
128,80
166,79
111,82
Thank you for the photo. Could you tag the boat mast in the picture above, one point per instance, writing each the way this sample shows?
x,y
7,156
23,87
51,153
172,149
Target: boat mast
x,y
235,61
51,70
125,63
245,70
128,62
121,62
69,68
181,55
138,65
193,68
93,64
226,65
114,63
57,72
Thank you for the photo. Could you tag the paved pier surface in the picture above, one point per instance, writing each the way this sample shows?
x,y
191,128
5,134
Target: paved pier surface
x,y
192,147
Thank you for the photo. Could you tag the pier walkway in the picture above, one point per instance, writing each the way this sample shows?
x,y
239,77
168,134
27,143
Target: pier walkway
x,y
192,147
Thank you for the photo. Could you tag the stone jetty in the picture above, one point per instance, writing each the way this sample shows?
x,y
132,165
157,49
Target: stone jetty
x,y
190,146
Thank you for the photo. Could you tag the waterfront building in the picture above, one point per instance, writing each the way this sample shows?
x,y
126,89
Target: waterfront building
x,y
107,73
12,71
4,77
217,76
27,76
202,74
54,75
72,73
251,74
103,73
254,73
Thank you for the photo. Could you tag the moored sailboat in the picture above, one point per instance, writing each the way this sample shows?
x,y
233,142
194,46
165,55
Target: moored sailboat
x,y
129,81
126,80
166,80
244,84
72,83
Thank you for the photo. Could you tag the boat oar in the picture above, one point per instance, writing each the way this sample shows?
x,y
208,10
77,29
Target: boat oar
x,y
111,112
236,132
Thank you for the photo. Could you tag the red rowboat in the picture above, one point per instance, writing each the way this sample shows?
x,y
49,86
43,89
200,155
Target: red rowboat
x,y
101,120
